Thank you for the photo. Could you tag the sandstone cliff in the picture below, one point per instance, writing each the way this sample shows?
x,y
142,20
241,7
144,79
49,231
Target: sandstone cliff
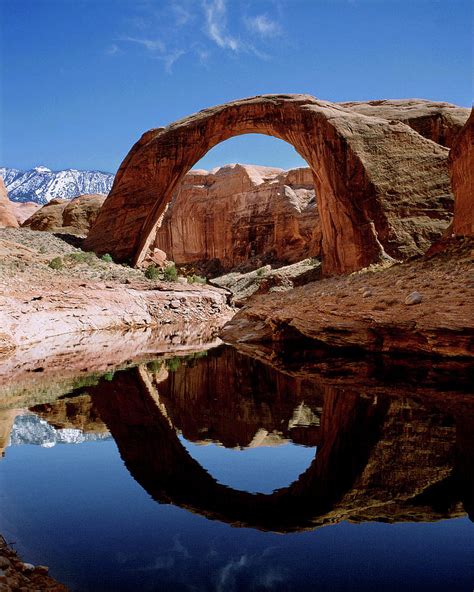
x,y
461,160
73,217
7,214
242,213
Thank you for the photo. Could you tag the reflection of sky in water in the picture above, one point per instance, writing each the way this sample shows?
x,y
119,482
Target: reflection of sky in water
x,y
262,469
77,509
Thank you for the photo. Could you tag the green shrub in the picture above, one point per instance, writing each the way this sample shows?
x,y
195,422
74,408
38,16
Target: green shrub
x,y
82,257
196,279
171,273
261,271
152,272
107,258
56,263
172,364
155,365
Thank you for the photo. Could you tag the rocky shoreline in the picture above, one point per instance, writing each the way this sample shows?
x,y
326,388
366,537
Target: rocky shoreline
x,y
18,575
87,294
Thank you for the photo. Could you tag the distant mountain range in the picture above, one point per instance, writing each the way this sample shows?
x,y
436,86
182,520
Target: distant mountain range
x,y
41,184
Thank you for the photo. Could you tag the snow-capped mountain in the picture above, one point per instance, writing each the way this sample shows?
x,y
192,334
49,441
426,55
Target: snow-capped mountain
x,y
42,184
31,429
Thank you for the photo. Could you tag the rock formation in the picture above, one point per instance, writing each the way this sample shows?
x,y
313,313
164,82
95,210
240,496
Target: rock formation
x,y
440,122
7,213
24,210
72,217
370,174
240,213
461,160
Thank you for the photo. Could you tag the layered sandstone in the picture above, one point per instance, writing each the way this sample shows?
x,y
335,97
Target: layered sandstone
x,y
376,179
239,213
7,213
461,161
72,217
437,121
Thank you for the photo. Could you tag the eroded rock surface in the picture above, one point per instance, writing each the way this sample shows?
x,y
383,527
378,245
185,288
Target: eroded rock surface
x,y
370,175
368,309
462,175
239,214
437,121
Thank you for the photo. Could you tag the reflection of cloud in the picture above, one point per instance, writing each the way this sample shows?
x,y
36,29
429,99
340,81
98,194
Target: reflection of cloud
x,y
252,571
216,25
263,25
227,576
178,547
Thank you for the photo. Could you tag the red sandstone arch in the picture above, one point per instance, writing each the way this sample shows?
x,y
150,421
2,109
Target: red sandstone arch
x,y
364,168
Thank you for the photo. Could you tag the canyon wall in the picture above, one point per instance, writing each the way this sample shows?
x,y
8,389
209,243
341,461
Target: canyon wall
x,y
240,213
461,160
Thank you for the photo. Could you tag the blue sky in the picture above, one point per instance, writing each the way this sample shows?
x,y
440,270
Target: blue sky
x,y
82,79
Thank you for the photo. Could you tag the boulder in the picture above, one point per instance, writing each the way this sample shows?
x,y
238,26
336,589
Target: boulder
x,y
71,217
461,161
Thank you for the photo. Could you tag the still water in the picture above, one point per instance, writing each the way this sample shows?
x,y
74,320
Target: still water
x,y
235,472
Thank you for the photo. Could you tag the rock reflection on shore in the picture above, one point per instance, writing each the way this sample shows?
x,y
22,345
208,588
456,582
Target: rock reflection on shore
x,y
394,437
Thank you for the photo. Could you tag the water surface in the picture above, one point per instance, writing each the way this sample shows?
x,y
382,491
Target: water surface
x,y
219,471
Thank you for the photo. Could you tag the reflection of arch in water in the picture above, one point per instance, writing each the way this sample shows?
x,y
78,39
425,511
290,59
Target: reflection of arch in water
x,y
362,166
155,457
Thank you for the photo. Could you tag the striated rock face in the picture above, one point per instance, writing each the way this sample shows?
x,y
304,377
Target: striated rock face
x,y
240,212
440,122
376,179
73,217
7,213
461,160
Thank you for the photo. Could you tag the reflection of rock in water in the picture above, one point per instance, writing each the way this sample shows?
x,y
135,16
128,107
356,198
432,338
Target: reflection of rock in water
x,y
390,458
31,429
7,417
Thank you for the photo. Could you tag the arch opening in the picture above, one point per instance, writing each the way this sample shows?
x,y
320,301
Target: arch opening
x,y
249,202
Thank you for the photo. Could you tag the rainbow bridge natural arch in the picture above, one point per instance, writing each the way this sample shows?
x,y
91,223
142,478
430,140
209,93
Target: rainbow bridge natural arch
x,y
363,168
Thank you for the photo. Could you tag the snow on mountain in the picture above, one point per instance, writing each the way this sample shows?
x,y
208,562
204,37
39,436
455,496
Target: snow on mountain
x,y
31,429
41,184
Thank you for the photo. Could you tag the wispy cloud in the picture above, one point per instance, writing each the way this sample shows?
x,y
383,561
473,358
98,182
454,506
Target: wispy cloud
x,y
151,45
216,25
182,15
201,30
263,25
112,49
